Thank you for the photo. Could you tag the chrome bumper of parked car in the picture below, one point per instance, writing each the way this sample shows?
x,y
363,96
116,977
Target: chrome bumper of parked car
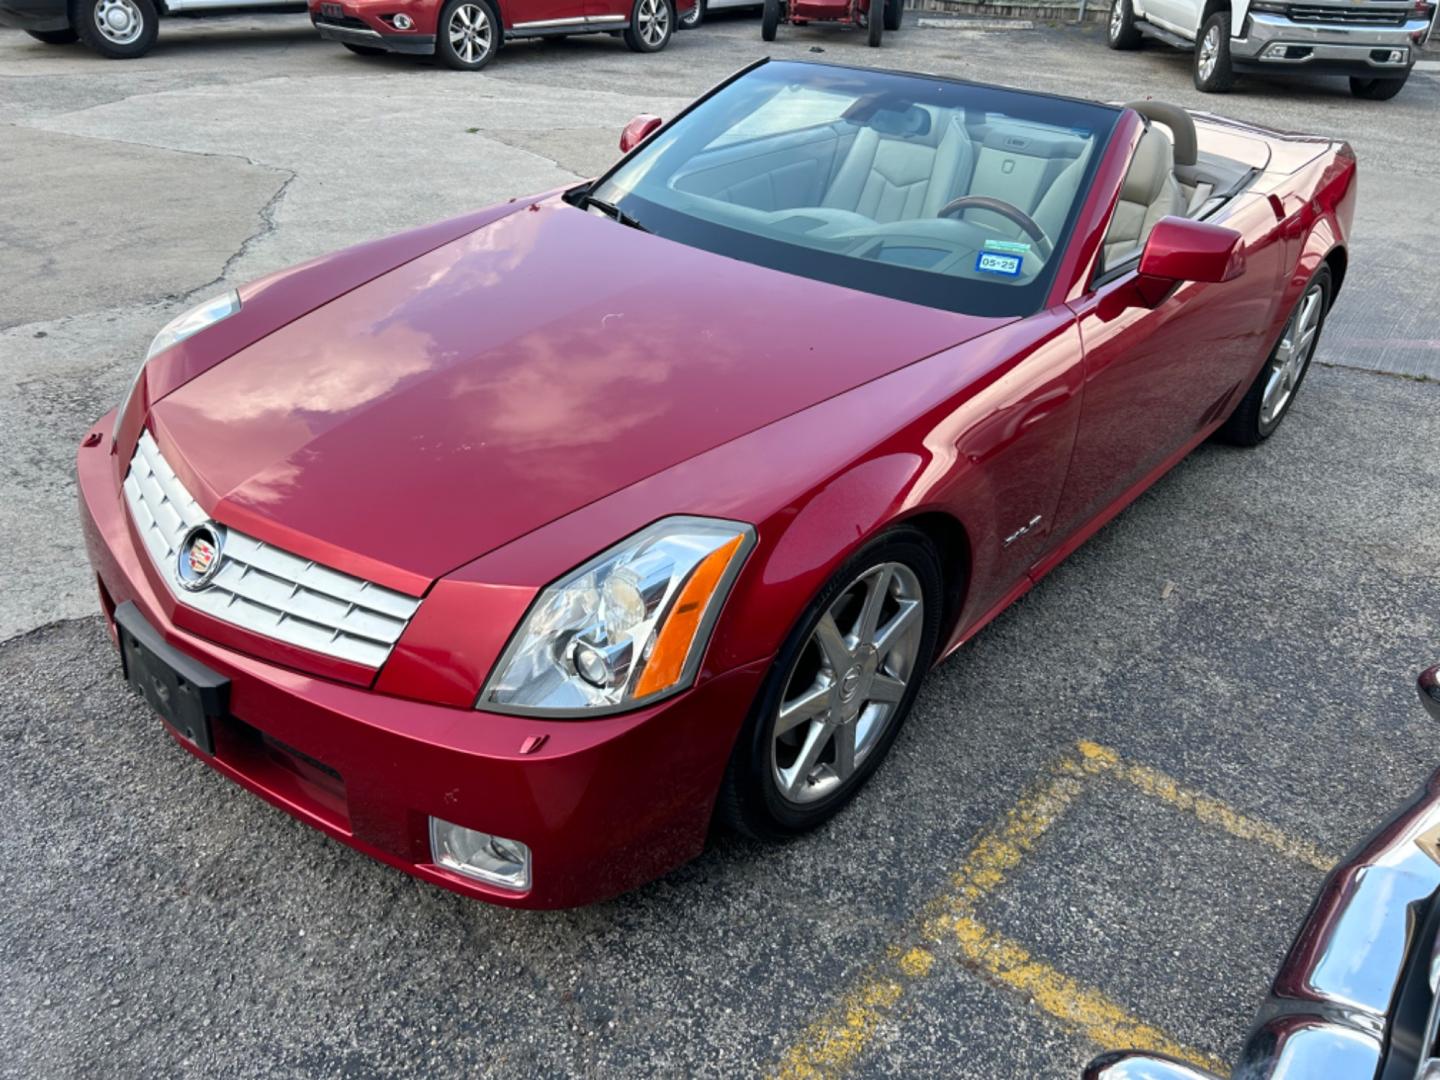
x,y
1354,995
1275,39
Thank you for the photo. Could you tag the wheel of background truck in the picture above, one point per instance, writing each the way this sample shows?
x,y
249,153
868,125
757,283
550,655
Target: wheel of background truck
x,y
55,37
1122,33
1273,391
770,20
694,17
1377,89
117,29
838,690
364,50
651,24
1213,73
875,21
894,14
467,34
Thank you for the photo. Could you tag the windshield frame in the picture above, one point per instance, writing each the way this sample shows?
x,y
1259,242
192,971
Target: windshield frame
x,y
965,295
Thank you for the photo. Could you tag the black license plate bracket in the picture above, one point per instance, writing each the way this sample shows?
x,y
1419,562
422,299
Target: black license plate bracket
x,y
184,692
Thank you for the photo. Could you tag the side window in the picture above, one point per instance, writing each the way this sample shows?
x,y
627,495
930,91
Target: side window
x,y
1150,192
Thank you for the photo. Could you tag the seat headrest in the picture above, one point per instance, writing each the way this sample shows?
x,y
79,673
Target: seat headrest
x,y
1150,169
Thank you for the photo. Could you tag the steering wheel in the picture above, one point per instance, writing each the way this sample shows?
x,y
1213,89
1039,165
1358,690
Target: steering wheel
x,y
999,206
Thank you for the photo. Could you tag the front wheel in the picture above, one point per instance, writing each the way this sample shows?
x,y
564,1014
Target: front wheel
x,y
1273,391
894,14
694,17
1122,33
468,34
1377,89
769,20
838,691
875,23
651,24
1213,73
66,36
118,29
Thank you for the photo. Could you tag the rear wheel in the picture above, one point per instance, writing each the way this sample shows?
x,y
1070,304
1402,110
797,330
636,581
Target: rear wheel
x,y
875,24
769,20
651,24
1377,89
838,692
1122,33
1213,73
694,17
117,29
55,37
468,34
1273,392
894,14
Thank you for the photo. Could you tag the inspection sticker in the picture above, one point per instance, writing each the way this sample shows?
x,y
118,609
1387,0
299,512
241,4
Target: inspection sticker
x,y
992,262
1012,247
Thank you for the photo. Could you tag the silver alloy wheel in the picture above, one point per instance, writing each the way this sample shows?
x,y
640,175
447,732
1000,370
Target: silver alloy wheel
x,y
470,32
654,19
847,682
120,21
1209,51
1292,355
691,17
1117,19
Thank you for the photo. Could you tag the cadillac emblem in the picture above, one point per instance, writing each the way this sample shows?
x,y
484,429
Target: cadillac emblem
x,y
199,558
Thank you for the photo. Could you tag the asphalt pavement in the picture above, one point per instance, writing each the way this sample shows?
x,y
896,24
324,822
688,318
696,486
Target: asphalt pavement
x,y
1174,733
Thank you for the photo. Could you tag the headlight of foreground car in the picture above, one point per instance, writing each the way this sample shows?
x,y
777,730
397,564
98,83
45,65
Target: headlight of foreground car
x,y
625,629
186,324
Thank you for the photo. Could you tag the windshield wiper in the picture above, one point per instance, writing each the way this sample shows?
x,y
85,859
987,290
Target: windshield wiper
x,y
610,210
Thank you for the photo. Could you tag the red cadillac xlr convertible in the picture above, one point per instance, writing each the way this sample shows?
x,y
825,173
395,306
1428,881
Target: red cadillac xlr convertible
x,y
517,549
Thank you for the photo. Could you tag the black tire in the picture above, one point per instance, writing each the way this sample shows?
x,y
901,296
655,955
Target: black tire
x,y
55,37
482,50
645,17
1221,76
1377,89
115,44
875,25
1248,425
750,801
769,20
1122,32
695,18
364,50
894,14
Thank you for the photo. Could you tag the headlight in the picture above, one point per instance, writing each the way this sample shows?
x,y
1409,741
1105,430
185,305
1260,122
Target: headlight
x,y
184,325
626,628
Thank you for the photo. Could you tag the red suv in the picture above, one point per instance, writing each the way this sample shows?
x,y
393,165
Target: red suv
x,y
466,34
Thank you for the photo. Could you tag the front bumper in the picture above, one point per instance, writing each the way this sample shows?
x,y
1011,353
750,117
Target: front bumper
x,y
396,42
604,805
34,14
1273,42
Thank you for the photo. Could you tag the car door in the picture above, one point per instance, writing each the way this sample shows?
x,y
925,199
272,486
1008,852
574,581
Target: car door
x,y
544,15
1158,379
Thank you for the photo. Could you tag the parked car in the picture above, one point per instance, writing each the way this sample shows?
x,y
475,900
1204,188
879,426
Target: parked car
x,y
1374,42
119,29
701,11
858,13
501,553
1357,997
466,34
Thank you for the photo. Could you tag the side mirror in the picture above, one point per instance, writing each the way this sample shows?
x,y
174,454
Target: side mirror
x,y
637,131
1179,249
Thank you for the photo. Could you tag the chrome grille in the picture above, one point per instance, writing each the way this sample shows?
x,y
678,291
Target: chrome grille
x,y
259,587
1360,16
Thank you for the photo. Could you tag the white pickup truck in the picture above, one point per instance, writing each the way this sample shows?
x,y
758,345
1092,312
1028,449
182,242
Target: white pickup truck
x,y
1375,42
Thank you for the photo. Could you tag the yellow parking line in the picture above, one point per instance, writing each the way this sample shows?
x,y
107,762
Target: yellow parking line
x,y
1209,810
835,1041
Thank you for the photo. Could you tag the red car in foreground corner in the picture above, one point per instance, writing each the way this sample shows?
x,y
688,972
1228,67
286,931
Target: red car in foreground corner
x,y
466,34
496,553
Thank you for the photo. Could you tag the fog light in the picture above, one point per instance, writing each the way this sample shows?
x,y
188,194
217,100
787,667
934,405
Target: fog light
x,y
403,22
483,856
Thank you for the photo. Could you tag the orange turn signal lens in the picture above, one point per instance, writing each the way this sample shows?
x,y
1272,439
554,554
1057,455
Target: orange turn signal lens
x,y
677,634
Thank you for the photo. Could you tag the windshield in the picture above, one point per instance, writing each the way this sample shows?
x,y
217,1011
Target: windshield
x,y
942,193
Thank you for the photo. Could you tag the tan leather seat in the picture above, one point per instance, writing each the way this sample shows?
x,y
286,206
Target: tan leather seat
x,y
1149,193
889,178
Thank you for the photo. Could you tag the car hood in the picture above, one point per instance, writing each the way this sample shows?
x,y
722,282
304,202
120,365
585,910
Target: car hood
x,y
509,377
